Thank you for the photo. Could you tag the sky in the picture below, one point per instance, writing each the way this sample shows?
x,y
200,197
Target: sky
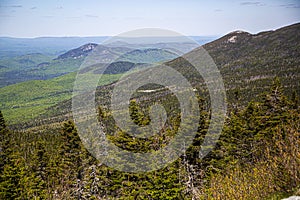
x,y
37,18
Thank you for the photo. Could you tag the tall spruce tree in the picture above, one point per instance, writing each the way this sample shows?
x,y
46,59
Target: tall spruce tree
x,y
71,158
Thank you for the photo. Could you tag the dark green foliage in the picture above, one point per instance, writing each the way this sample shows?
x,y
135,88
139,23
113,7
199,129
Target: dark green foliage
x,y
249,131
54,164
12,178
70,151
137,115
151,55
117,68
2,122
18,179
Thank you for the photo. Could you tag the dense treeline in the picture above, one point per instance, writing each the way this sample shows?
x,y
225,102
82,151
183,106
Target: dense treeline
x,y
256,157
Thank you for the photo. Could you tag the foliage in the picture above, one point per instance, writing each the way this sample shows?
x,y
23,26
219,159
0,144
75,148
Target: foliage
x,y
256,157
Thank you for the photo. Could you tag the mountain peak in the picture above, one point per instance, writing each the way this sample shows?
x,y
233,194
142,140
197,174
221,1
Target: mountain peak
x,y
79,52
88,47
238,32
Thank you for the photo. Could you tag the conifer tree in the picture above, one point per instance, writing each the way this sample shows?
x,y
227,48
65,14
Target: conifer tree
x,y
2,122
5,143
71,158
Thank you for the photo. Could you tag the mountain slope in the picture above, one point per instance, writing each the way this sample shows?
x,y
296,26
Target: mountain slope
x,y
248,63
268,45
252,61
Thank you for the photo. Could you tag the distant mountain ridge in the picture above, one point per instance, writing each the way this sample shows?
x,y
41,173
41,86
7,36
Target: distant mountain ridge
x,y
148,55
37,66
10,47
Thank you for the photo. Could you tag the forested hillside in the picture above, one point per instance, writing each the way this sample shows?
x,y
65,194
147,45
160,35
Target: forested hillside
x,y
256,157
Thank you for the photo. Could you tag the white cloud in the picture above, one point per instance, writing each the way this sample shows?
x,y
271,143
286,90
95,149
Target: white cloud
x,y
252,3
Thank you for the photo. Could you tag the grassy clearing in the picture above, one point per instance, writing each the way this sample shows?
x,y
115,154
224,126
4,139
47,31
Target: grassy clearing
x,y
27,100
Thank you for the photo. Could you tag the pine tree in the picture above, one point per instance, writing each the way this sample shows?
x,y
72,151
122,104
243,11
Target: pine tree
x,y
71,147
2,122
6,144
71,158
3,141
17,181
137,115
38,170
250,130
295,100
13,171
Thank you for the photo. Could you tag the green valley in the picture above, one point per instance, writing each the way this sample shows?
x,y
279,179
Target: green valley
x,y
26,101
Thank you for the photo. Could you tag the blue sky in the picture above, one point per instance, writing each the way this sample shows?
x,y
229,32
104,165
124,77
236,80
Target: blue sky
x,y
34,18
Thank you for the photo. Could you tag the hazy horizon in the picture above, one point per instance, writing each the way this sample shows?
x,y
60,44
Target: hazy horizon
x,y
31,19
107,36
